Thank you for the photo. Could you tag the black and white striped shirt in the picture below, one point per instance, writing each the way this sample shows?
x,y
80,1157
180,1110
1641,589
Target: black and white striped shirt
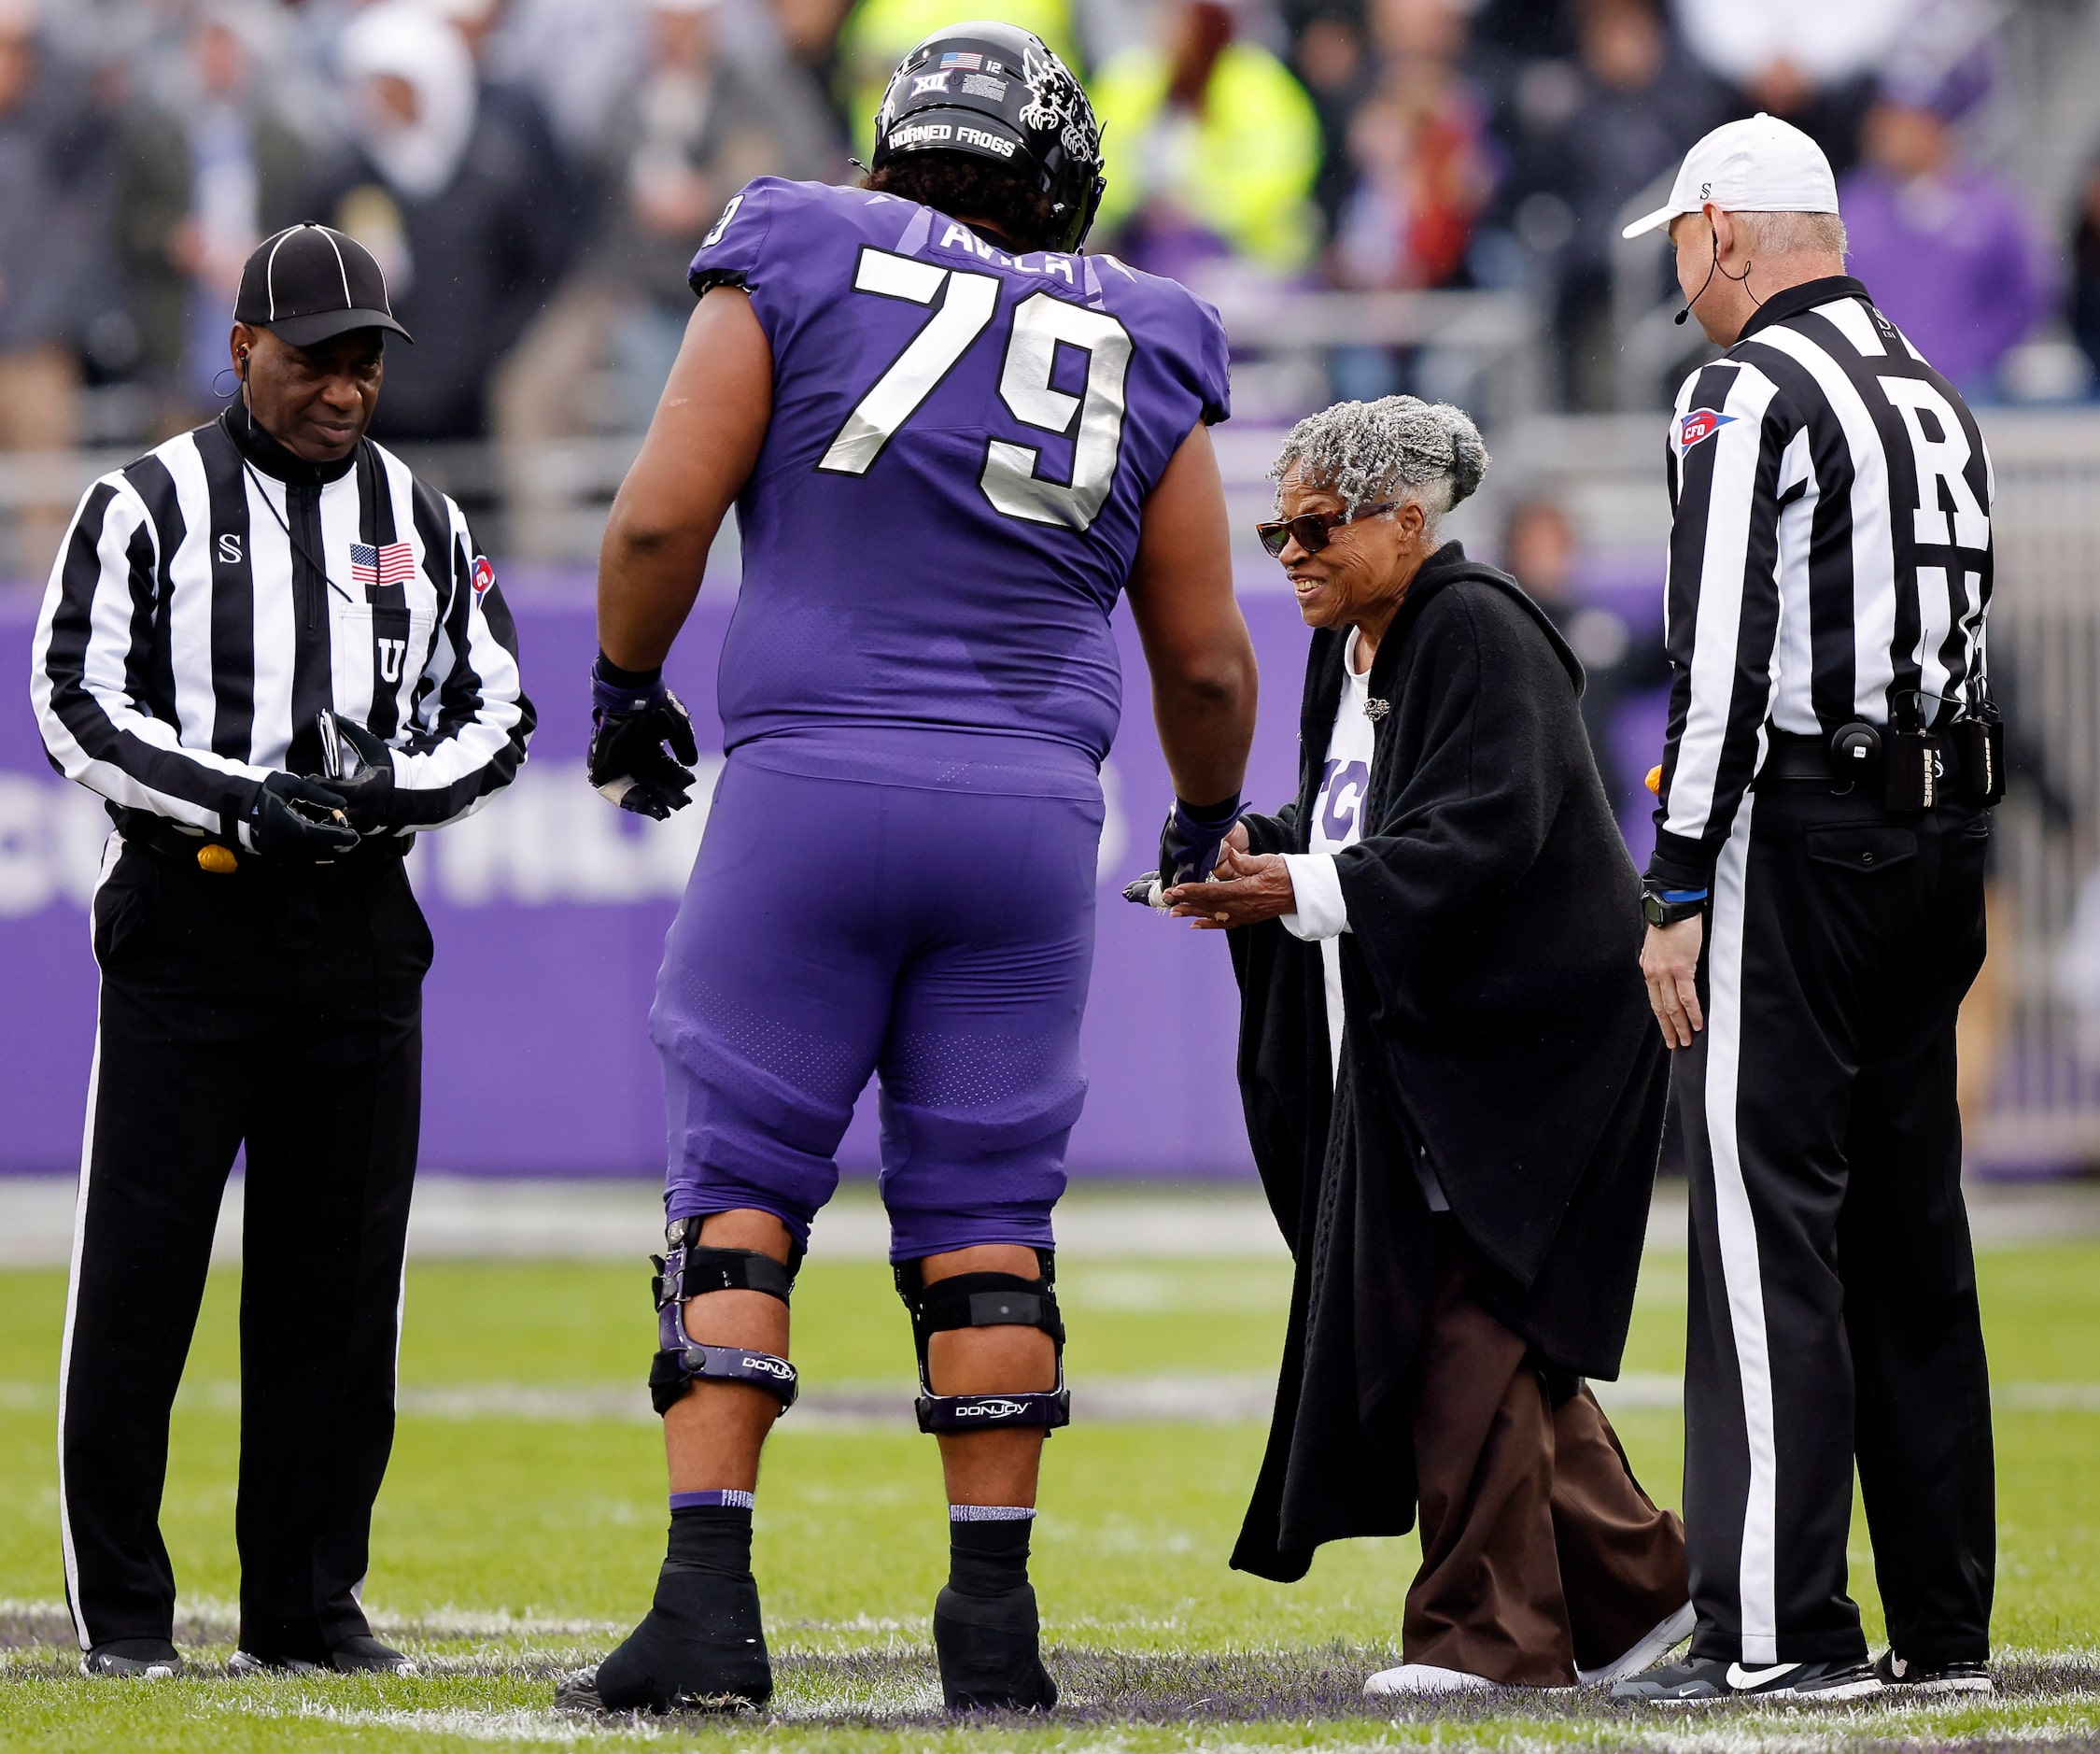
x,y
208,604
1830,559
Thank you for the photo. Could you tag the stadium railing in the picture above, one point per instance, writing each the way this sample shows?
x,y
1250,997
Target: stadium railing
x,y
548,500
2038,1009
1607,468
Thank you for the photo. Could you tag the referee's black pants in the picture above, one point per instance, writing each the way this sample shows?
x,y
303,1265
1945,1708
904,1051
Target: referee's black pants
x,y
281,1008
1833,1292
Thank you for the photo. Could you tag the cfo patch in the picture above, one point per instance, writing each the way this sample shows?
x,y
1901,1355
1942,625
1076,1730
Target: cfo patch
x,y
1700,425
484,576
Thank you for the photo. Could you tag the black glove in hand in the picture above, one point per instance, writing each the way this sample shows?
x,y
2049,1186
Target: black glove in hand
x,y
295,818
1148,891
360,767
634,718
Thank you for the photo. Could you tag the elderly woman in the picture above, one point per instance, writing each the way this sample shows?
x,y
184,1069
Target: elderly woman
x,y
1452,1085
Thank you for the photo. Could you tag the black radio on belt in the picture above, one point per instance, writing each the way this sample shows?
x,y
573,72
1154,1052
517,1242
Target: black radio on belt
x,y
1919,769
1909,761
1979,738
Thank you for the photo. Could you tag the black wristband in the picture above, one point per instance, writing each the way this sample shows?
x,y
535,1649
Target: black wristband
x,y
634,681
1207,813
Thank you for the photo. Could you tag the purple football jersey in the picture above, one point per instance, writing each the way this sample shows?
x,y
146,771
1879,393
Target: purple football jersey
x,y
946,506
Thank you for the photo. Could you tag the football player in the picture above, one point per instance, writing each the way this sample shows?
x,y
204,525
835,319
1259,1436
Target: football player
x,y
953,441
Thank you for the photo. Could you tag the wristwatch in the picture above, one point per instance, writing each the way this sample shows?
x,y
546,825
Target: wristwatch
x,y
1667,907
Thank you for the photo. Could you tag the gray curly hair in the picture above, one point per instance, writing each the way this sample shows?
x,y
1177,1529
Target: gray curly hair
x,y
1399,448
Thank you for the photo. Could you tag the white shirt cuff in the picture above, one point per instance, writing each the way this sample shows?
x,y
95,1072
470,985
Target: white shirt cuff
x,y
1314,885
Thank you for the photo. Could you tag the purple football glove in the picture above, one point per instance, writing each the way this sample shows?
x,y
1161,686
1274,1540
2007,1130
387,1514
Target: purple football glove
x,y
643,746
1190,842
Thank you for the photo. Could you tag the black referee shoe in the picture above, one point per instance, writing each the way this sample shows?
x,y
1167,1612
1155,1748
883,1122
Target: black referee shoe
x,y
134,1659
362,1654
1933,1678
1710,1681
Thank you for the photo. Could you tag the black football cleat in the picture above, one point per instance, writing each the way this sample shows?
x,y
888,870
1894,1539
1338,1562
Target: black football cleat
x,y
1900,1676
989,1652
134,1659
701,1648
1712,1681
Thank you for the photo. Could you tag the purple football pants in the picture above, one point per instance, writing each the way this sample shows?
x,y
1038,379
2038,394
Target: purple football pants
x,y
833,929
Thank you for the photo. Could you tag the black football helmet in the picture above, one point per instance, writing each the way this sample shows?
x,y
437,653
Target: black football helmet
x,y
993,92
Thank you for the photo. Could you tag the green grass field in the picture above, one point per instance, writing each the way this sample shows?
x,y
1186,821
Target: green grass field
x,y
511,1548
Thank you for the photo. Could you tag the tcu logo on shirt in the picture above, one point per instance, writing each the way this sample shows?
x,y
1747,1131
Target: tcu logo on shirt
x,y
1341,790
1700,425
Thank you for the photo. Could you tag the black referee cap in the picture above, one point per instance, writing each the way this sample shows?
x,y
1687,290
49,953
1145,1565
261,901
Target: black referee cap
x,y
310,282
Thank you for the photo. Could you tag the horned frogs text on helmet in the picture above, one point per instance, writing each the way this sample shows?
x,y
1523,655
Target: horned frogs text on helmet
x,y
993,92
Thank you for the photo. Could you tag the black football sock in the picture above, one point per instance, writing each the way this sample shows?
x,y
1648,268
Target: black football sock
x,y
702,1644
987,1556
986,1634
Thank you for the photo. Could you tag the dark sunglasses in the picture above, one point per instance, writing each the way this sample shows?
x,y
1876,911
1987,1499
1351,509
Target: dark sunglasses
x,y
1312,529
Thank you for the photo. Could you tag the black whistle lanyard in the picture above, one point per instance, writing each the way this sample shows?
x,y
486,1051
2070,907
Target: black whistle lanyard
x,y
297,545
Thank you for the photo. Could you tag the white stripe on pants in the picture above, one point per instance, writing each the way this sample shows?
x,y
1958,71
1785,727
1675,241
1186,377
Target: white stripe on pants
x,y
1757,1583
112,851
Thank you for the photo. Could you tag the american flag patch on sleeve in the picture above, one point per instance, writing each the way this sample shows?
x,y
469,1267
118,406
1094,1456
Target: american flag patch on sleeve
x,y
392,564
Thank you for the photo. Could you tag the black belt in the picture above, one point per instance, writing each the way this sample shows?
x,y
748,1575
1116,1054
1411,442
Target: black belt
x,y
1790,755
208,853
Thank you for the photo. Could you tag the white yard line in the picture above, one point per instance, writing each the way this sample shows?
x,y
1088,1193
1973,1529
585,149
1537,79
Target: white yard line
x,y
525,1725
471,1217
1184,1398
1806,1730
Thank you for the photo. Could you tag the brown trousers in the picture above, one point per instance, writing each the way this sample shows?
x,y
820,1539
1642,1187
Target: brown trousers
x,y
1539,1551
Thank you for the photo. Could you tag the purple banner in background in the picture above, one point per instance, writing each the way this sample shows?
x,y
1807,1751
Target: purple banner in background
x,y
549,910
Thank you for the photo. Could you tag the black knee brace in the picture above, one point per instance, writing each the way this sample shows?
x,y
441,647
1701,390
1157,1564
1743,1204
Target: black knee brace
x,y
686,1269
986,1300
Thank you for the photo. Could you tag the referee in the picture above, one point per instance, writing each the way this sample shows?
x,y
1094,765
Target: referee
x,y
1816,912
247,608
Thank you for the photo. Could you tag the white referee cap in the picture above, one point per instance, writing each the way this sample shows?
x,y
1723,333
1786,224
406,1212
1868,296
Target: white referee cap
x,y
1760,165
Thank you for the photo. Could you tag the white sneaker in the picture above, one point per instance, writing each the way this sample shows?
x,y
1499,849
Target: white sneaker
x,y
1418,1678
1654,1645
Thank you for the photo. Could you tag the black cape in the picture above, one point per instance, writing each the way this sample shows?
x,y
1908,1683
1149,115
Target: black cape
x,y
1497,1022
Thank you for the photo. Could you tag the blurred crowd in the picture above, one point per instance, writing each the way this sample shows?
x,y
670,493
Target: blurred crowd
x,y
535,174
